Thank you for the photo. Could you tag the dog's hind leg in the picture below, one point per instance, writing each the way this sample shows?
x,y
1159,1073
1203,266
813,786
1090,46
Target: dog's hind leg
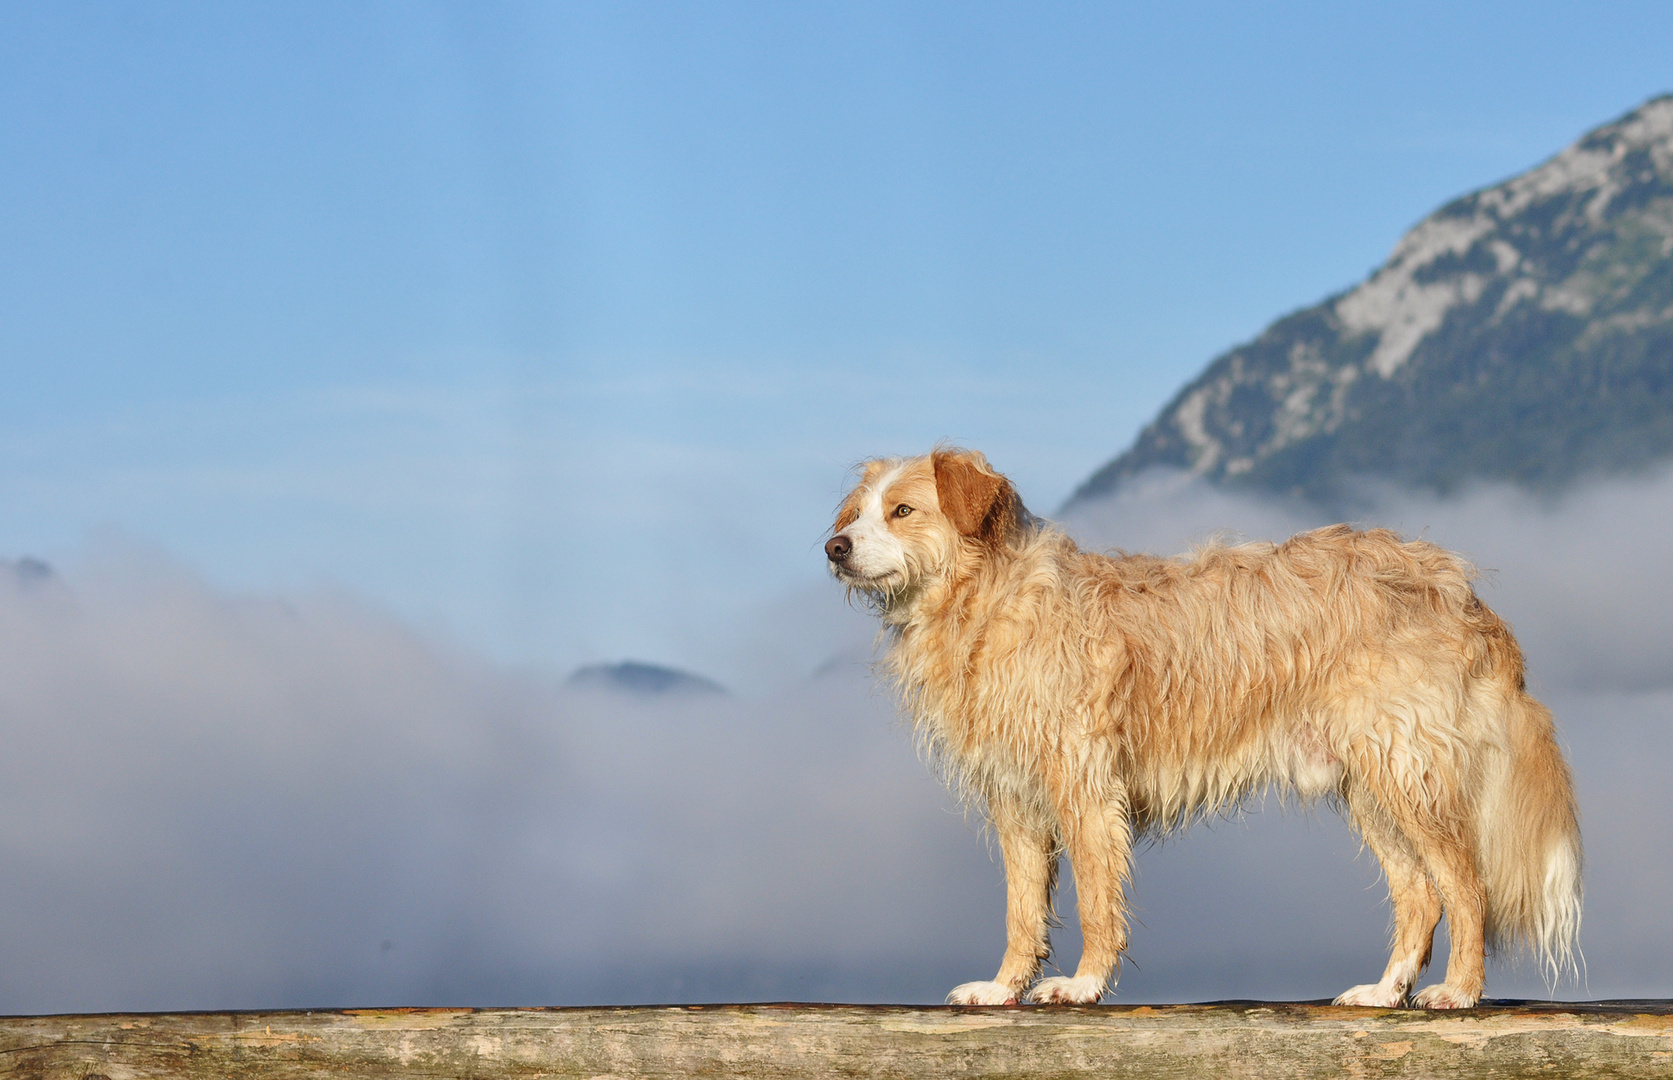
x,y
1419,798
1030,875
1451,864
1417,906
1098,834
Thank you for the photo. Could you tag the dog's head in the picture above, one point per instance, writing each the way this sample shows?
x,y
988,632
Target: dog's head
x,y
911,522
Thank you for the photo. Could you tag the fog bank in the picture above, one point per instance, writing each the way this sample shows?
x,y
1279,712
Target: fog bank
x,y
230,801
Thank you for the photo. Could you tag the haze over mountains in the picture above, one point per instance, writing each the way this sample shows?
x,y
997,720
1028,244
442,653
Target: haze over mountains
x,y
220,798
1522,334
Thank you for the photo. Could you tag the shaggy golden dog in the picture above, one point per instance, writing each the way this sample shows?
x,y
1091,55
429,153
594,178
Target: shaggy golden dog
x,y
1088,700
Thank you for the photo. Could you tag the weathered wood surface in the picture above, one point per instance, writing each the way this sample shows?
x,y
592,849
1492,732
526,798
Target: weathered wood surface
x,y
1220,1042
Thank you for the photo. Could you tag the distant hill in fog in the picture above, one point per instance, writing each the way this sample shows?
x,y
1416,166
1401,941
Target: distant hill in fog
x,y
26,571
1523,333
635,677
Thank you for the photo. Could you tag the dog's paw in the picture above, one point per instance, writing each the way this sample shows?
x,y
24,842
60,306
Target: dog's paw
x,y
1062,990
1442,996
982,993
1372,996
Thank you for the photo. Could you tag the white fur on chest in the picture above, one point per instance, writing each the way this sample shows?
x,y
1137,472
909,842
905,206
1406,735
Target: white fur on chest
x,y
996,759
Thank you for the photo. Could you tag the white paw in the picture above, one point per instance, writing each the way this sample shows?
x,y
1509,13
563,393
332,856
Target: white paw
x,y
1372,996
1062,990
1442,996
982,993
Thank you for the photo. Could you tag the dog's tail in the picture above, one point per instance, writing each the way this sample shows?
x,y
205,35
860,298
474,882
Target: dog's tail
x,y
1528,840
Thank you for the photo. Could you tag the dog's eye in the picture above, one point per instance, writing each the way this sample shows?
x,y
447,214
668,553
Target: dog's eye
x,y
902,510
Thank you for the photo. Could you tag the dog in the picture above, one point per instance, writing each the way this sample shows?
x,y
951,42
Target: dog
x,y
1087,701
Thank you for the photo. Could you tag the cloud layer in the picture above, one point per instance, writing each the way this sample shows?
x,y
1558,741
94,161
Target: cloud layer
x,y
218,801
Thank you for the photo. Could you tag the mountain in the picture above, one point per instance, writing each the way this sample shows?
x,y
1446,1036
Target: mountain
x,y
26,572
638,678
1523,333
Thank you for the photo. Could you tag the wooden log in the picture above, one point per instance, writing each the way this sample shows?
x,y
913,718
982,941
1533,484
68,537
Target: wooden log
x,y
1219,1041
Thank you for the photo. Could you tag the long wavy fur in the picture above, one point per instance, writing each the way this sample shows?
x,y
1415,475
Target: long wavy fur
x,y
1085,701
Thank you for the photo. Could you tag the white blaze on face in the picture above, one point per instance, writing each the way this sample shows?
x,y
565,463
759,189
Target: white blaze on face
x,y
877,552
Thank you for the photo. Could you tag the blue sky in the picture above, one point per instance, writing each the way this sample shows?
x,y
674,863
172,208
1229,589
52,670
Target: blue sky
x,y
357,359
554,328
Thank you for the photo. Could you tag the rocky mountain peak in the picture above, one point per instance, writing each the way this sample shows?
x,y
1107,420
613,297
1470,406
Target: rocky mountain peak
x,y
1520,333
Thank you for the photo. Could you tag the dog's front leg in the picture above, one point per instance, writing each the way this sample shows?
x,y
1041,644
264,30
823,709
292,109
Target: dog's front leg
x,y
1098,834
1030,874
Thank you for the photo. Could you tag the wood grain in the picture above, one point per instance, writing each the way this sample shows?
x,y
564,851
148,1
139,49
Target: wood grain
x,y
1220,1042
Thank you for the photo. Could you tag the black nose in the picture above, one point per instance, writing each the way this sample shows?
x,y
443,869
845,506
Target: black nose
x,y
837,548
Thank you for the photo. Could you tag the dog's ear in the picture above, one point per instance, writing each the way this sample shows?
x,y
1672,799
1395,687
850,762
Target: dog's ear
x,y
978,501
